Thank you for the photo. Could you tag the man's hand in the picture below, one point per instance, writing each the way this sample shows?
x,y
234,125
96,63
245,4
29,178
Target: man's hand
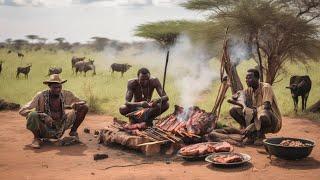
x,y
267,105
47,119
144,104
76,105
154,102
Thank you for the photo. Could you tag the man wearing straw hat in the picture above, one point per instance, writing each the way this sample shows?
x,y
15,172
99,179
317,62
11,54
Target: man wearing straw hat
x,y
49,119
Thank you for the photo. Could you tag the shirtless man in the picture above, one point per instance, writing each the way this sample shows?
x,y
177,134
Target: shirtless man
x,y
49,120
140,90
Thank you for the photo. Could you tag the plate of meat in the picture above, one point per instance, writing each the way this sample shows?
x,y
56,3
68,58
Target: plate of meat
x,y
201,150
228,159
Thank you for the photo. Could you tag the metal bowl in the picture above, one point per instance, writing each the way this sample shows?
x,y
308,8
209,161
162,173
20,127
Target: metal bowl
x,y
273,147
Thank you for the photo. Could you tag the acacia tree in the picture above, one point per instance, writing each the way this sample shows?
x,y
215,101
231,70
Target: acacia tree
x,y
278,31
100,42
32,37
165,33
60,40
19,43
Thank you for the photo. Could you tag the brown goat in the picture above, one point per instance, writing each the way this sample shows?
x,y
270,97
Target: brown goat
x,y
83,66
1,66
54,70
20,55
23,70
74,60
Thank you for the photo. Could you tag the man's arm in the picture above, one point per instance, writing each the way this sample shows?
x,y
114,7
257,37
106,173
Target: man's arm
x,y
161,93
26,109
72,100
129,97
267,97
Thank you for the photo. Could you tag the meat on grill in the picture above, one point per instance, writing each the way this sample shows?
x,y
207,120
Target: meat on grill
x,y
191,121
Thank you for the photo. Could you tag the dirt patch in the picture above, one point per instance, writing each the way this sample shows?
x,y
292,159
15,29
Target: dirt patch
x,y
17,161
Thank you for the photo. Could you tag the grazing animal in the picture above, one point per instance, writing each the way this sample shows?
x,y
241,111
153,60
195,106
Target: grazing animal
x,y
74,60
54,70
23,70
9,51
300,86
1,66
120,68
20,55
83,66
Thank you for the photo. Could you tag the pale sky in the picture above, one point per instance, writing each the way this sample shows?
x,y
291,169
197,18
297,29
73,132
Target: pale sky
x,y
79,20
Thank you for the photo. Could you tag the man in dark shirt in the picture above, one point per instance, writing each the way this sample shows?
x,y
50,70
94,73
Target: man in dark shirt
x,y
139,94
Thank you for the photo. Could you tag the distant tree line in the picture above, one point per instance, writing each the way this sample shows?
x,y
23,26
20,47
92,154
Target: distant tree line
x,y
35,43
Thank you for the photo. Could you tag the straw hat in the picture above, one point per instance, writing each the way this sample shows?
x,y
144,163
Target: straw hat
x,y
54,78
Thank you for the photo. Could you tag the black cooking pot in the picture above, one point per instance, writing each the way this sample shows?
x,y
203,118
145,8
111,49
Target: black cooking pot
x,y
273,147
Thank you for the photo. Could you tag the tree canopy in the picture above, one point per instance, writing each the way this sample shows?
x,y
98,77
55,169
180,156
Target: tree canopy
x,y
164,32
281,29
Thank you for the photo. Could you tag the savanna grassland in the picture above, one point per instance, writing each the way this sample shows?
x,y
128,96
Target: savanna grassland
x,y
105,92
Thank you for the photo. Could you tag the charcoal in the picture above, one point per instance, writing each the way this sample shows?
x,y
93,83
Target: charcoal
x,y
86,130
97,157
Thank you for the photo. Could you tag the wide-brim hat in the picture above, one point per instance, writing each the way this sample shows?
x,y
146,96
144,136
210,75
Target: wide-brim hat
x,y
54,78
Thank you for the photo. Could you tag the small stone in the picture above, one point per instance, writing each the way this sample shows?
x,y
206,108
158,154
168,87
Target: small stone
x,y
100,156
90,140
92,173
255,169
86,130
96,132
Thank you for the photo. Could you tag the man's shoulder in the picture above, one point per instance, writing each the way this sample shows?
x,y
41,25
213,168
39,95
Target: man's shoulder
x,y
265,85
66,92
154,80
41,93
133,80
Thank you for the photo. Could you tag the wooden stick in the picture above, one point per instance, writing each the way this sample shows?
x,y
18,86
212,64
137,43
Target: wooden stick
x,y
164,136
151,143
173,136
128,165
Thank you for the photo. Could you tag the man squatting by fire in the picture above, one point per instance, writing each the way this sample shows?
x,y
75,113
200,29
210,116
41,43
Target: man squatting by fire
x,y
261,114
49,120
140,90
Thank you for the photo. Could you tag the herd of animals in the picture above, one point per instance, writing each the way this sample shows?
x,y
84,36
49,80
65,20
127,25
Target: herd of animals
x,y
78,64
299,85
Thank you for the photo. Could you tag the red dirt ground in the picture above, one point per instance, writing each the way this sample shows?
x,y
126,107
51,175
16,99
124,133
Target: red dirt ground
x,y
17,161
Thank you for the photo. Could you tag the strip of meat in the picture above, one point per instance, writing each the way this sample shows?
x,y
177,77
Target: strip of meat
x,y
174,125
203,149
228,158
135,126
222,147
180,126
168,125
166,121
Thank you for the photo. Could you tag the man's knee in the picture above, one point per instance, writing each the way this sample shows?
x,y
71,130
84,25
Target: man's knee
x,y
267,121
33,121
123,110
165,106
235,112
83,108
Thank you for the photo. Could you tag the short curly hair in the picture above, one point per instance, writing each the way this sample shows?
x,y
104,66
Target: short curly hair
x,y
255,72
144,71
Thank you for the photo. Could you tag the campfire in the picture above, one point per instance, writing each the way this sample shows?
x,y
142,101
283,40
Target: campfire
x,y
190,122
